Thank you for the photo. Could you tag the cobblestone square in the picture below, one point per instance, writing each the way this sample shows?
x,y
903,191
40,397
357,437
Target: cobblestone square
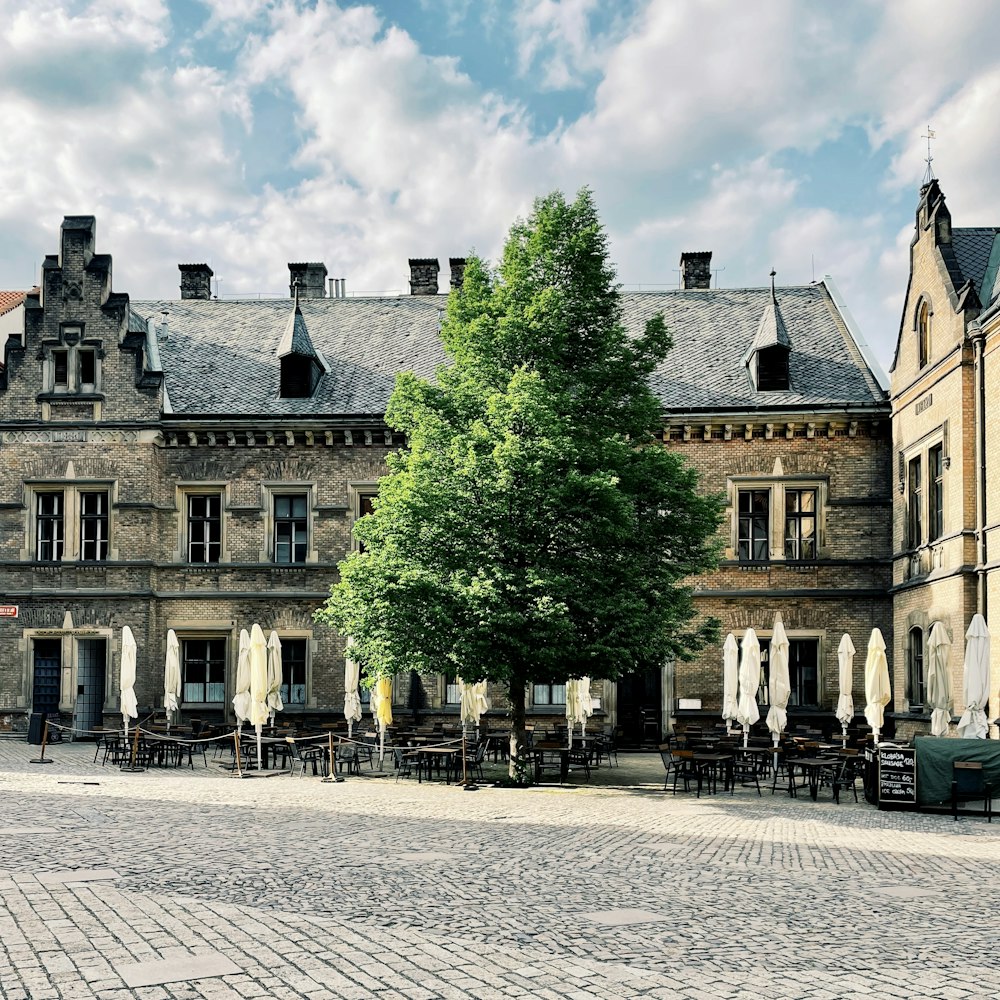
x,y
373,888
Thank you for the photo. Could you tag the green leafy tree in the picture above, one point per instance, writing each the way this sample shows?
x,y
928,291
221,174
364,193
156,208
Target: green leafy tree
x,y
534,529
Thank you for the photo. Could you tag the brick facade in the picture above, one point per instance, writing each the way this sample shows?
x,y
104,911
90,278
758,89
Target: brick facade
x,y
75,430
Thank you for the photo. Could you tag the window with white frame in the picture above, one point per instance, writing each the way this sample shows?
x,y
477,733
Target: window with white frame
x,y
800,524
914,502
291,527
935,493
452,690
203,670
753,535
803,671
777,519
204,527
70,523
293,671
548,694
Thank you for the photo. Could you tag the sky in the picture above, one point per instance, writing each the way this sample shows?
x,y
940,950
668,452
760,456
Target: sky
x,y
250,133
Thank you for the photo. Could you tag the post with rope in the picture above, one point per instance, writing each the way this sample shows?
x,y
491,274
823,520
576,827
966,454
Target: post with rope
x,y
132,765
238,750
42,759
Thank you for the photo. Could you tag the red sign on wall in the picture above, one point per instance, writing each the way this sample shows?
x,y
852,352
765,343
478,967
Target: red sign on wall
x,y
8,610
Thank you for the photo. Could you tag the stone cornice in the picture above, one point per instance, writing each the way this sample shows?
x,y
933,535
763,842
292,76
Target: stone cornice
x,y
727,428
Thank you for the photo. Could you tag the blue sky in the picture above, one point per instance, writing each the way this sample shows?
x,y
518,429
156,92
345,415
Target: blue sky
x,y
248,133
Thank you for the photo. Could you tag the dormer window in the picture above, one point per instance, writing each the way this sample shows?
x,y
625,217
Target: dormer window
x,y
302,366
772,369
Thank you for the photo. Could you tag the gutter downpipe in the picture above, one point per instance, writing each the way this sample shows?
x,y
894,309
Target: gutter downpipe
x,y
978,346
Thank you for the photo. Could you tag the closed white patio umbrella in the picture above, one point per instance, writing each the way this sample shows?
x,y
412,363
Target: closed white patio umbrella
x,y
845,702
241,699
877,691
976,681
381,705
258,683
730,678
274,675
778,684
748,713
584,705
171,677
126,678
570,710
938,680
352,700
473,703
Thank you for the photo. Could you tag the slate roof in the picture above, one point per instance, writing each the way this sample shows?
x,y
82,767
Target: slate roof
x,y
219,357
972,248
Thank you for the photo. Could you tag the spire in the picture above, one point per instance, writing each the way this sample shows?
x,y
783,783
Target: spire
x,y
929,172
302,366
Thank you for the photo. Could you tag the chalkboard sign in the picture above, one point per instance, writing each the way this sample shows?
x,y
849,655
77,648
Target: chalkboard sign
x,y
897,776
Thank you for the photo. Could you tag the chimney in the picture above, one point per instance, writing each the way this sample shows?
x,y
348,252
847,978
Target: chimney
x,y
196,281
311,279
457,265
424,276
696,269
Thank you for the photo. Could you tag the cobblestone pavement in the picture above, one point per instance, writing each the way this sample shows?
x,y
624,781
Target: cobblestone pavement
x,y
373,888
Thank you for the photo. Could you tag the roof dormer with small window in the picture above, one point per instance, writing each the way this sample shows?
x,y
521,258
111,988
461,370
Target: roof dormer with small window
x,y
767,358
302,366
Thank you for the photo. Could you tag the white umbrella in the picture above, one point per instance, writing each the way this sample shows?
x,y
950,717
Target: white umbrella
x,y
845,703
877,692
938,681
473,702
130,708
241,700
352,700
976,687
570,709
381,705
779,686
171,676
258,683
748,713
274,678
730,677
584,704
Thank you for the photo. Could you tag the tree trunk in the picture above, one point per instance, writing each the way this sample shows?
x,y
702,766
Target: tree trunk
x,y
518,734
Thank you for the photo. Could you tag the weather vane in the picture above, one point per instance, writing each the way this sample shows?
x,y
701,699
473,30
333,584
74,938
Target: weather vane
x,y
929,172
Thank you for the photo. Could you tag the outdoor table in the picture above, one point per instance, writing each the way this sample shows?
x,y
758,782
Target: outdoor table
x,y
708,766
547,754
434,757
813,767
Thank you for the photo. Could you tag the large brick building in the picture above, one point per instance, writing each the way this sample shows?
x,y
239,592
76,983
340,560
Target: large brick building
x,y
946,514
197,465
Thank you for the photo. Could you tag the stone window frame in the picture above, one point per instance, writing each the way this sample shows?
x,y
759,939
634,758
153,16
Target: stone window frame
x,y
71,517
776,486
73,346
534,703
182,491
272,489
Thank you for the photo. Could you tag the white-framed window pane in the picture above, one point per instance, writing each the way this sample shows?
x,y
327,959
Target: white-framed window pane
x,y
49,514
203,670
204,527
754,525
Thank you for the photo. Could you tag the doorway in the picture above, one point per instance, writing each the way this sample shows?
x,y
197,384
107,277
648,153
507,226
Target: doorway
x,y
91,669
45,676
640,716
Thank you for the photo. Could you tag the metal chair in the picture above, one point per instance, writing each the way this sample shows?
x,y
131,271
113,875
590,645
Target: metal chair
x,y
968,783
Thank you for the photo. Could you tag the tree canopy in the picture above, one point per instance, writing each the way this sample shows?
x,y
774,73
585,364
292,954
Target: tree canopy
x,y
535,528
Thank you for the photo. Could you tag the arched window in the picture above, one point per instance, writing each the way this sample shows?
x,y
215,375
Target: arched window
x,y
915,668
923,334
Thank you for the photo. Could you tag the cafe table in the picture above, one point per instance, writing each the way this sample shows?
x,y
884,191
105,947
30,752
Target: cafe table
x,y
813,768
436,757
709,766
